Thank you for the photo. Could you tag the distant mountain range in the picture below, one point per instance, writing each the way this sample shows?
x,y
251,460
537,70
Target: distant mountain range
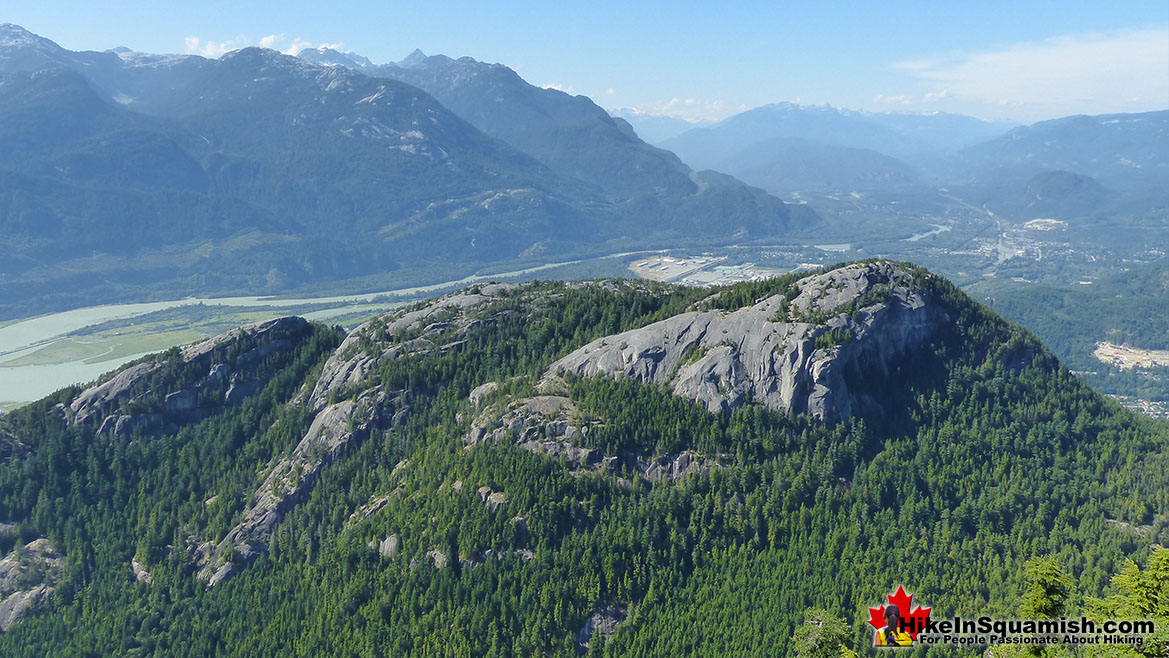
x,y
1073,167
1105,166
904,136
653,128
129,174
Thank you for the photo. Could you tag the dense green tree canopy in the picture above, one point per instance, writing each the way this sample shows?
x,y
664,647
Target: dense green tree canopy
x,y
989,454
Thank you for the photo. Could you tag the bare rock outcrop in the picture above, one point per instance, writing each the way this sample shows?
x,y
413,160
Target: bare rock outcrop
x,y
27,578
601,624
222,372
350,405
388,547
437,324
805,354
11,447
375,505
676,467
553,425
13,606
493,500
438,558
338,428
141,573
546,424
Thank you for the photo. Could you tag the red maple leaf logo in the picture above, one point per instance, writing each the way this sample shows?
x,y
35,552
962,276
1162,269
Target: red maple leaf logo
x,y
912,620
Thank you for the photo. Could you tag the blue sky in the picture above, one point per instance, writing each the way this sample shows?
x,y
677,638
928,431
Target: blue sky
x,y
1015,60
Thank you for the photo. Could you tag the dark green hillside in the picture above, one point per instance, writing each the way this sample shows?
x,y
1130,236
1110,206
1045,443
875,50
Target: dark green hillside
x,y
1126,309
472,502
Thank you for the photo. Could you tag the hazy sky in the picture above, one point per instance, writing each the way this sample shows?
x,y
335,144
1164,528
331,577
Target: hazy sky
x,y
1022,60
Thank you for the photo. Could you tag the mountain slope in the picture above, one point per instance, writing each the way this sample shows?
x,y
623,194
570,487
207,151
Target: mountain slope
x,y
570,134
319,173
1108,167
447,479
1124,309
579,140
900,136
263,172
654,129
1116,149
784,165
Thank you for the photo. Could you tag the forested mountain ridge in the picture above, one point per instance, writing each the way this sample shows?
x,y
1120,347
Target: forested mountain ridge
x,y
435,484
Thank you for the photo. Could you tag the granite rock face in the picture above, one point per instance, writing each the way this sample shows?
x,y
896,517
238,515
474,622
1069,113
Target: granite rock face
x,y
222,379
13,607
546,424
773,352
335,430
805,354
141,573
438,325
11,447
601,624
388,547
27,578
350,405
552,425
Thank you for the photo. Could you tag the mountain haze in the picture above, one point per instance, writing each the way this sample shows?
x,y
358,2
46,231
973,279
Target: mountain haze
x,y
264,172
572,136
1105,166
901,136
654,129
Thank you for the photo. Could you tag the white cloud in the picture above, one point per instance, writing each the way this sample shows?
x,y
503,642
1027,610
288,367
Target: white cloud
x,y
694,110
1083,73
892,100
610,91
559,87
197,46
298,45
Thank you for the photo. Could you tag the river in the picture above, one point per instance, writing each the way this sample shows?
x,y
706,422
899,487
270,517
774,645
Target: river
x,y
20,338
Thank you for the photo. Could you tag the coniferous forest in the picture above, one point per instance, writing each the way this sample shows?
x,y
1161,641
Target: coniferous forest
x,y
987,456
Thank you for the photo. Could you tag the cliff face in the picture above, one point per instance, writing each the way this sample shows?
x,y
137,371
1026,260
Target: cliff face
x,y
28,576
202,380
804,354
11,447
403,488
811,348
349,405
